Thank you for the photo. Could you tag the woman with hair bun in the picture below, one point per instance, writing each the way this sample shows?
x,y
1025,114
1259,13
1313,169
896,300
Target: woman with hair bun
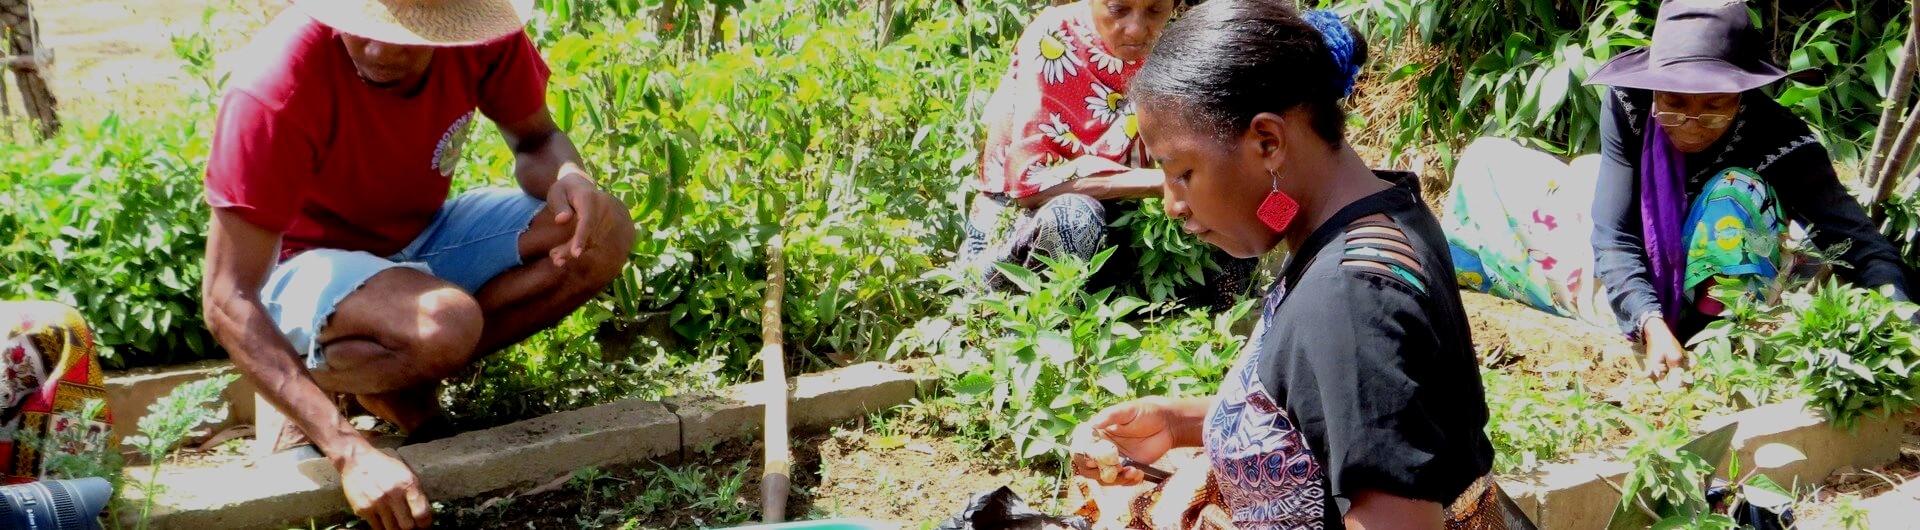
x,y
1357,402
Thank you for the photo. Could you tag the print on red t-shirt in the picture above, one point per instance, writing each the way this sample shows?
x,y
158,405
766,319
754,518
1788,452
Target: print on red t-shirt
x,y
304,147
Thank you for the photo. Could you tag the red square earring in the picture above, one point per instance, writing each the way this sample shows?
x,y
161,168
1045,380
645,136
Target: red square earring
x,y
1277,210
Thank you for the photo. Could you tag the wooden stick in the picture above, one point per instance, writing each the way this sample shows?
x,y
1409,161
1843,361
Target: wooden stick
x,y
6,110
20,62
1889,116
776,479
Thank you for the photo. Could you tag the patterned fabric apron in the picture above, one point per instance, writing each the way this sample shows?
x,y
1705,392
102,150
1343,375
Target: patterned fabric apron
x,y
1266,474
1734,232
51,370
1518,227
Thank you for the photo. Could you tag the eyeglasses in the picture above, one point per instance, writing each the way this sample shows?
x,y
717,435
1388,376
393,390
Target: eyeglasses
x,y
1710,121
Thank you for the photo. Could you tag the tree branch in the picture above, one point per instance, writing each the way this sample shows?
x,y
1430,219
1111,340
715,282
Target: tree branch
x,y
1895,104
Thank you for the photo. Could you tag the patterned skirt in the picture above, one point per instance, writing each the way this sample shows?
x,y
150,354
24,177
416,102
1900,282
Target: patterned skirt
x,y
1191,499
998,230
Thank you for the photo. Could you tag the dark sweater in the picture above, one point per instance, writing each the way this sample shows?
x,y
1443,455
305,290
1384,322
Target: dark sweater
x,y
1764,138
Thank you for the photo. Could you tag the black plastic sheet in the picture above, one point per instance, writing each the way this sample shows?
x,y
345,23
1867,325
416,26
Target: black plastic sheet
x,y
1001,509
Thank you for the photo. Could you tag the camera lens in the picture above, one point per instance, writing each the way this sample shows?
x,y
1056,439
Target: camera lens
x,y
54,504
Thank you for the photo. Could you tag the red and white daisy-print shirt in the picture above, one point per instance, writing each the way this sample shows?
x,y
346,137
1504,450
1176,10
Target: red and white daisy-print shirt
x,y
1061,111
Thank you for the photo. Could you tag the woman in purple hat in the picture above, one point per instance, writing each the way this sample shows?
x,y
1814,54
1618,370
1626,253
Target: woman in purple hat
x,y
1697,167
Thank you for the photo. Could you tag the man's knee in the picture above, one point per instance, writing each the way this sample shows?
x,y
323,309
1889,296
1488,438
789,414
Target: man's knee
x,y
447,330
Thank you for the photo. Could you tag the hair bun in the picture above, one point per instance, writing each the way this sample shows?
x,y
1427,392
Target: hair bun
x,y
1342,44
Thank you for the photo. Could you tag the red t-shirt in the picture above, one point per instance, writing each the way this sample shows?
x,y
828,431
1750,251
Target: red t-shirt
x,y
304,147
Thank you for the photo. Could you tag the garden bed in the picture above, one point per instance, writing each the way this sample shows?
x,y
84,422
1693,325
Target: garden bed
x,y
873,468
1883,497
854,470
1574,493
524,453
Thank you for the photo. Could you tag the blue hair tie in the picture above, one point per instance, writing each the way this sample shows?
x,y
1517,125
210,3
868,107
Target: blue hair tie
x,y
1340,42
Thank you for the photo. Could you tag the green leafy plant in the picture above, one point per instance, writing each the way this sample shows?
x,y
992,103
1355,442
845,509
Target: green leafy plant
x,y
1673,470
1036,363
1170,260
1847,512
1535,419
1515,68
1855,48
175,417
565,368
1902,226
1852,351
97,225
1669,478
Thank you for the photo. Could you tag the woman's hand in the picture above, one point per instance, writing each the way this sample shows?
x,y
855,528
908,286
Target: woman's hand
x,y
1128,183
1142,430
1664,352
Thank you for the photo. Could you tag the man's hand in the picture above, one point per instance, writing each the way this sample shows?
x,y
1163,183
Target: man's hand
x,y
384,491
572,199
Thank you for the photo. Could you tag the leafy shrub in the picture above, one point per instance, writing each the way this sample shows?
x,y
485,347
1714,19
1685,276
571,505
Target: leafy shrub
x,y
1852,351
803,120
1903,226
1170,260
565,368
1533,419
1670,471
108,218
1038,362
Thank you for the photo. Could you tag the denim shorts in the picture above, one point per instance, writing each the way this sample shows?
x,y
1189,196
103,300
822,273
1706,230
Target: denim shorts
x,y
473,239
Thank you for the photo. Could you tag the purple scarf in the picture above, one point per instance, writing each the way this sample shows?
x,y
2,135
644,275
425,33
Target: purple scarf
x,y
1663,207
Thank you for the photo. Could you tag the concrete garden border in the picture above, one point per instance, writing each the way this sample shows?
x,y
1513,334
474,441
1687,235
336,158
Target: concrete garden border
x,y
272,494
130,393
1572,494
1568,494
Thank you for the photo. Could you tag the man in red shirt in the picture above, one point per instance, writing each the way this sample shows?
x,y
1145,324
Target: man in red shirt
x,y
336,264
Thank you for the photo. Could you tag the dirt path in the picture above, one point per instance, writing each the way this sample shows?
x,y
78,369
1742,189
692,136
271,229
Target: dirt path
x,y
118,55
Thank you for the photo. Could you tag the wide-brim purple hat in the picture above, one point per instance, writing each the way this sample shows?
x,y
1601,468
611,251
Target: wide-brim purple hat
x,y
1699,47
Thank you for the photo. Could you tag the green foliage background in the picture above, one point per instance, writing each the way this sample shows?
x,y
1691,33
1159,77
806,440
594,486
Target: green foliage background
x,y
1515,68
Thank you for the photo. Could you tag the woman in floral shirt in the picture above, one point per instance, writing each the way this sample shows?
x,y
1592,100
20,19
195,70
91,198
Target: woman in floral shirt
x,y
1062,145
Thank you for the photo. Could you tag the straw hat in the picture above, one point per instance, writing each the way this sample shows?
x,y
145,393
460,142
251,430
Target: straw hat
x,y
422,22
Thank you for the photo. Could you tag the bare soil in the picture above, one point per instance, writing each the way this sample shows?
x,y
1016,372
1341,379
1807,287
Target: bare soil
x,y
1888,493
1513,336
117,56
852,471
